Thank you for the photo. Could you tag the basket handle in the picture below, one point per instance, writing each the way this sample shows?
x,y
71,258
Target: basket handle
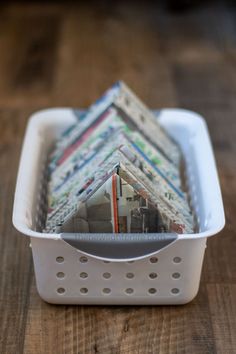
x,y
119,247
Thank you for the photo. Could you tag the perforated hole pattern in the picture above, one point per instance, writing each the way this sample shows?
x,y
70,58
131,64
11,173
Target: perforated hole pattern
x,y
130,276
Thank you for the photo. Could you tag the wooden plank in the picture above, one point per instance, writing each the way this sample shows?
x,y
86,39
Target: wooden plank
x,y
87,329
15,256
100,45
220,263
46,326
28,62
223,313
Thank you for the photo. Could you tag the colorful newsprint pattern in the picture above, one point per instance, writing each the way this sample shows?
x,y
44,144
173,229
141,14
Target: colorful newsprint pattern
x,y
117,171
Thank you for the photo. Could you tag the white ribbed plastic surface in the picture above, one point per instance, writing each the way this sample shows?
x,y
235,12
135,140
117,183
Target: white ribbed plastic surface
x,y
65,275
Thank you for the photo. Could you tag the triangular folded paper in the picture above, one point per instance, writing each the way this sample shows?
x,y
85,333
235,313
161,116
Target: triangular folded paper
x,y
117,163
118,140
132,111
117,207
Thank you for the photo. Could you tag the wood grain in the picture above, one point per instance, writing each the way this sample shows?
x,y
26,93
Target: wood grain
x,y
54,54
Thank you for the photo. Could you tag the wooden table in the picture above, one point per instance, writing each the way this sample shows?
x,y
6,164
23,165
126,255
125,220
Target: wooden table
x,y
67,55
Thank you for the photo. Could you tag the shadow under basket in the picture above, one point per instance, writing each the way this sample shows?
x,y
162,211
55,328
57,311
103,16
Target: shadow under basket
x,y
123,268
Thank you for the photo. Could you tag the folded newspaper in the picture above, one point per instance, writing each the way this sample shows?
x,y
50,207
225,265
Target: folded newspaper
x,y
117,170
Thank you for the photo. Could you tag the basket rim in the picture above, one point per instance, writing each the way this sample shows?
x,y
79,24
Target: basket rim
x,y
55,115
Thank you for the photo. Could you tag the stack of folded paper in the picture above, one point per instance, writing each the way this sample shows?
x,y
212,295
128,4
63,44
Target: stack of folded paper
x,y
117,171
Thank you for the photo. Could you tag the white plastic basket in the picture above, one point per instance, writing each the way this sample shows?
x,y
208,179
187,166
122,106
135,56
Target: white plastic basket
x,y
123,269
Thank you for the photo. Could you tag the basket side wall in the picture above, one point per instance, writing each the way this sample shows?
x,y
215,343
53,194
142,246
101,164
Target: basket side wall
x,y
66,276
